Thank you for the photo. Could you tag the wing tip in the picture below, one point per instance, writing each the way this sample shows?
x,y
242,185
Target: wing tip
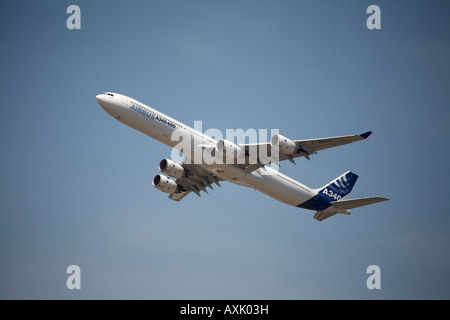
x,y
365,135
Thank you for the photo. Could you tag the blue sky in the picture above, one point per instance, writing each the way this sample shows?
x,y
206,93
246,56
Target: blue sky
x,y
76,184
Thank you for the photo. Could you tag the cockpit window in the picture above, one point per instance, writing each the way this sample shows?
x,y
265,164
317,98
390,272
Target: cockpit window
x,y
109,94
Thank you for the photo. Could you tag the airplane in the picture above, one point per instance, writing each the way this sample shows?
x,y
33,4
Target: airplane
x,y
249,166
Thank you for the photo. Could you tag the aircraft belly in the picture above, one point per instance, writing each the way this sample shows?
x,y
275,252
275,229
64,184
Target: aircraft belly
x,y
281,190
230,173
269,184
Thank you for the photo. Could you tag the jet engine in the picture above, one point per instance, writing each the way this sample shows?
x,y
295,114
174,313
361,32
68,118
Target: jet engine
x,y
165,184
286,146
229,148
171,168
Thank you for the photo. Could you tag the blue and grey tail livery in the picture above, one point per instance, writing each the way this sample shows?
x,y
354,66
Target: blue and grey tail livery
x,y
335,191
339,187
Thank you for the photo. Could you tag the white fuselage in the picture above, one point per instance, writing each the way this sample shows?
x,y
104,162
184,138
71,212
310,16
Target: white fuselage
x,y
161,127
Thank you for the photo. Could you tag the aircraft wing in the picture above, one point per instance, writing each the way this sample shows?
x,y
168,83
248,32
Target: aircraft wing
x,y
304,148
325,143
195,180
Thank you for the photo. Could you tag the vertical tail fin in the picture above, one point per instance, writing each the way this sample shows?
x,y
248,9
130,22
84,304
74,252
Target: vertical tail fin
x,y
339,187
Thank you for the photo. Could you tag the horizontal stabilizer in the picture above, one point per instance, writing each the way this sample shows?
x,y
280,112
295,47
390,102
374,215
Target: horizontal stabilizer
x,y
342,206
322,215
355,203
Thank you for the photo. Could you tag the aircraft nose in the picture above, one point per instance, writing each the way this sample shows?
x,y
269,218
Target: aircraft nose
x,y
106,101
103,101
100,98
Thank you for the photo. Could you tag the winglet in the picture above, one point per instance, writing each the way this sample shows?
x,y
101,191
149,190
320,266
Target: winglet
x,y
366,134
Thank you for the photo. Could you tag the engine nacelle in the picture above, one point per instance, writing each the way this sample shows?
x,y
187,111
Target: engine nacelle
x,y
285,145
171,168
229,148
165,184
